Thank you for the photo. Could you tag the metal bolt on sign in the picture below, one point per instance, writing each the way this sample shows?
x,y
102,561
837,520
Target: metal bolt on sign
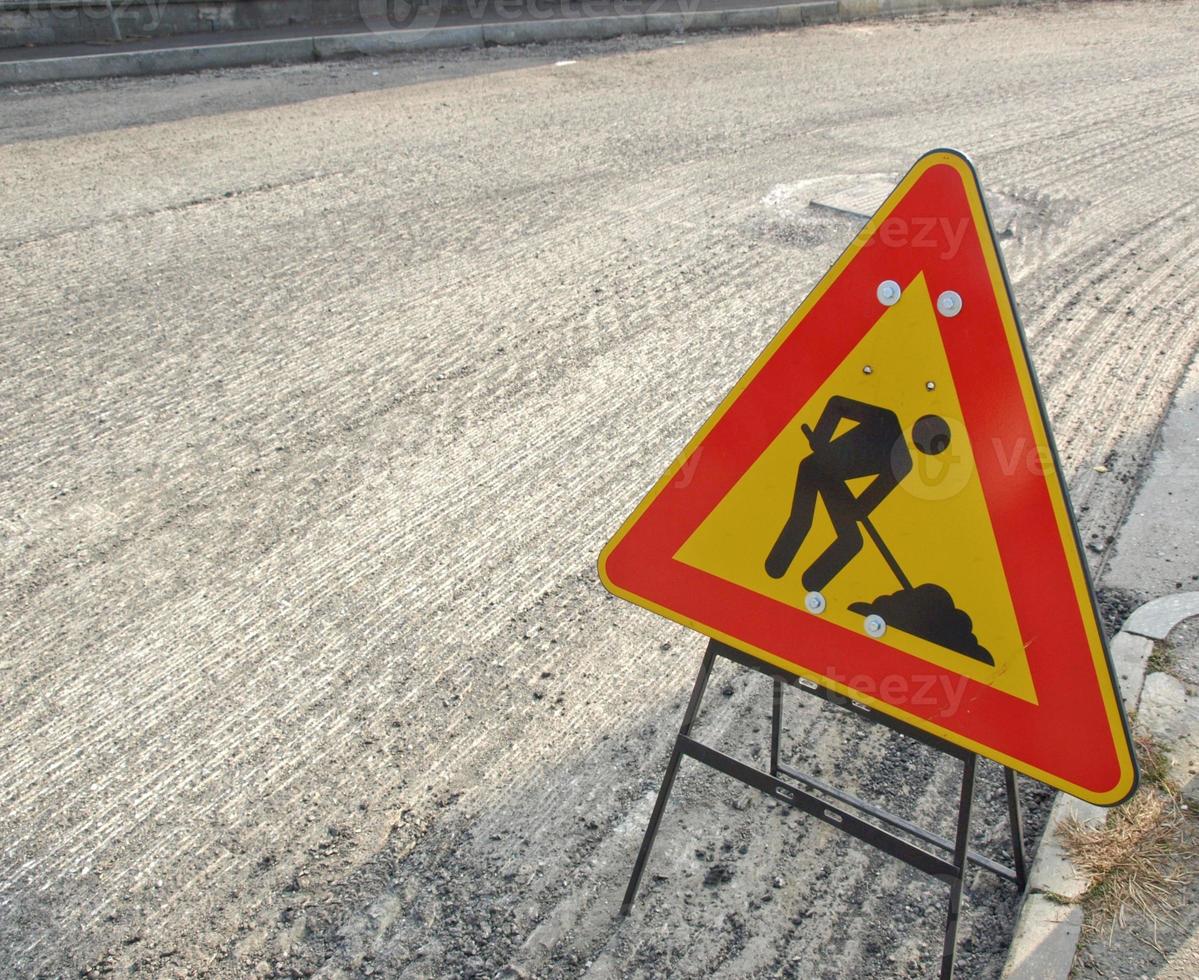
x,y
875,626
888,292
814,602
949,303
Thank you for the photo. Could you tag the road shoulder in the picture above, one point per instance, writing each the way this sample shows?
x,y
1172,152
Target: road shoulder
x,y
1160,696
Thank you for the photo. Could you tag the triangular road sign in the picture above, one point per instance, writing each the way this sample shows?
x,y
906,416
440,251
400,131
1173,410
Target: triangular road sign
x,y
877,506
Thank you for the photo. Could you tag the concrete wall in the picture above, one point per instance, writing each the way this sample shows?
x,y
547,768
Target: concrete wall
x,y
25,22
39,22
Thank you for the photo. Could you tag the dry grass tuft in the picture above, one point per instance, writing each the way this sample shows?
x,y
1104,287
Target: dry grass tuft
x,y
1152,761
1142,855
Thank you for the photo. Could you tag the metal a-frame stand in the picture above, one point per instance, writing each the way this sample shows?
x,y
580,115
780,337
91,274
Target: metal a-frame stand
x,y
838,808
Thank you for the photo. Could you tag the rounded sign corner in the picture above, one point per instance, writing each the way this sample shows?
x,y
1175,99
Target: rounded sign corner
x,y
1125,788
601,566
955,160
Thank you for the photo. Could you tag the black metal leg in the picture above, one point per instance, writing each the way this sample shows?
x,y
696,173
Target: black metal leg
x,y
776,725
1013,810
961,858
672,767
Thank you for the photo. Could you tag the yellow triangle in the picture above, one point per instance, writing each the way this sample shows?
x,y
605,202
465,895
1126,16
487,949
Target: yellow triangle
x,y
858,483
843,426
935,522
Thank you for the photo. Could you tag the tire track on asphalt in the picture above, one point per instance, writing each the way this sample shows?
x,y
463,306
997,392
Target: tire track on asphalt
x,y
137,709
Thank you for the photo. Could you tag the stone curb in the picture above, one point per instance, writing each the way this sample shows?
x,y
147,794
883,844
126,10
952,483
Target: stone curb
x,y
1050,922
161,61
236,54
1155,619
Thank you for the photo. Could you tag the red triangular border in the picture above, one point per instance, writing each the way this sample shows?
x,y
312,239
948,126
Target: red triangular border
x,y
1069,738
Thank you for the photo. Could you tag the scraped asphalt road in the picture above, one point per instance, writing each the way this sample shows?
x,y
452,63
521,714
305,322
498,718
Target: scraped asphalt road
x,y
322,388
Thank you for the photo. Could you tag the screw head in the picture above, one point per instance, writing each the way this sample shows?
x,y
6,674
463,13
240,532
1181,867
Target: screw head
x,y
814,602
930,385
949,303
888,292
867,369
875,626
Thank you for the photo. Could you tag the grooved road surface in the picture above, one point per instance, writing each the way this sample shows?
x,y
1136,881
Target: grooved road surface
x,y
318,405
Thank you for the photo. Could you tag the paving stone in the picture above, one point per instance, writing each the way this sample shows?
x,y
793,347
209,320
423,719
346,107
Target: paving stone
x,y
1053,872
1157,618
1045,940
1171,715
1130,655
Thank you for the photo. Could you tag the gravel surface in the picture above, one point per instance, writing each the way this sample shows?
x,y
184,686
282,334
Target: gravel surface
x,y
322,390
